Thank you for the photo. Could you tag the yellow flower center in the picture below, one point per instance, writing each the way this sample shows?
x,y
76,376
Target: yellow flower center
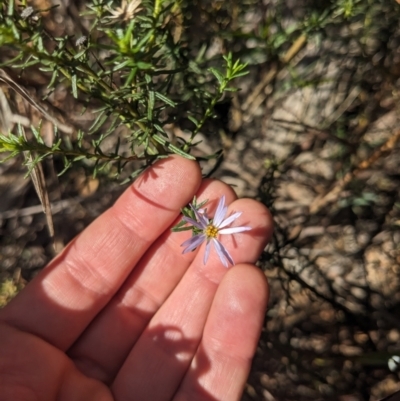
x,y
211,231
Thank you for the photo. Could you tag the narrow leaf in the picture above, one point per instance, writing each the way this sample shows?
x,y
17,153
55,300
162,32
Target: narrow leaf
x,y
193,120
100,120
74,86
165,99
217,75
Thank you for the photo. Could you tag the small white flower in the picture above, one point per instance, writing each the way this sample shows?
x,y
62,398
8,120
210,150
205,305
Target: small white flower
x,y
128,9
81,41
27,12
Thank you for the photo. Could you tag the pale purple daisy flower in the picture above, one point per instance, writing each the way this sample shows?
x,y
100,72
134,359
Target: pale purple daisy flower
x,y
210,229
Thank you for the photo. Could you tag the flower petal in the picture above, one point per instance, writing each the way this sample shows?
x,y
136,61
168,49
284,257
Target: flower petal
x,y
201,217
192,243
233,230
220,212
230,219
207,252
223,253
193,222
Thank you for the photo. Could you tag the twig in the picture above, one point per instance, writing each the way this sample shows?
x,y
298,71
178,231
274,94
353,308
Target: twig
x,y
259,88
39,182
7,118
334,193
343,107
56,207
21,91
298,44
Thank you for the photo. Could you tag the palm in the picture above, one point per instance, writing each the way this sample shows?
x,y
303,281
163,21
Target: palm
x,y
121,314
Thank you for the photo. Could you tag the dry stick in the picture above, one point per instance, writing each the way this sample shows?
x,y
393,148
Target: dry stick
x,y
334,193
39,183
7,118
56,207
286,58
36,170
259,88
353,95
4,77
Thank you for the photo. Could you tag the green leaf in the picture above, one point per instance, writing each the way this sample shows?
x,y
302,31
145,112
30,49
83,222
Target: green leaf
x,y
67,165
10,10
133,96
120,66
172,148
165,99
143,42
79,54
36,133
74,86
40,44
230,89
100,120
160,129
217,75
130,78
179,229
80,138
53,78
77,158
193,120
144,66
239,74
150,106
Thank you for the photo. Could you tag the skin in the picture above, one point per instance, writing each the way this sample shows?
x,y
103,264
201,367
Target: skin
x,y
122,315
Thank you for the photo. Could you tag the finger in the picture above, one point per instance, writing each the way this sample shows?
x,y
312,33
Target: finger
x,y
103,347
32,369
222,362
60,302
169,342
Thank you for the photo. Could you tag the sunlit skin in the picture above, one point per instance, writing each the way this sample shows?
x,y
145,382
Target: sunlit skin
x,y
122,315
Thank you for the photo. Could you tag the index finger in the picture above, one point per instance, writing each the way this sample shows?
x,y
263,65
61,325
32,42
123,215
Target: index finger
x,y
63,299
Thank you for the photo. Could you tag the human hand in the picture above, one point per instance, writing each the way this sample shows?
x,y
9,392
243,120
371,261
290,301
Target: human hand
x,y
122,315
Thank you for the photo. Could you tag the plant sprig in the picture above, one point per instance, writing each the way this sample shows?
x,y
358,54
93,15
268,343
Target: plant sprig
x,y
188,212
130,64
